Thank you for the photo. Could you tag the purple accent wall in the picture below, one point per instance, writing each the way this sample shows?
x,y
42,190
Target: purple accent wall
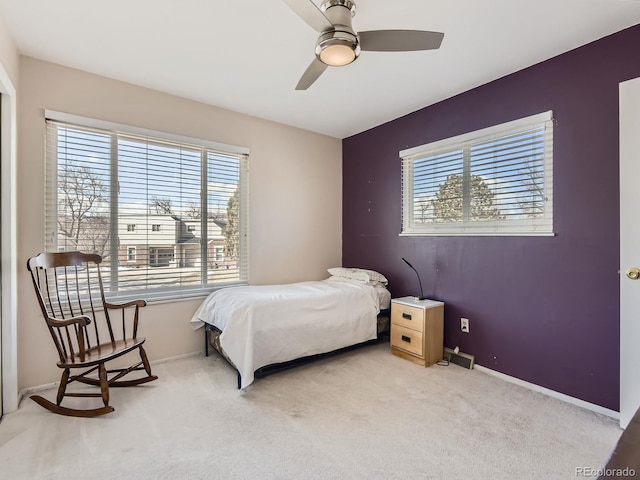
x,y
542,309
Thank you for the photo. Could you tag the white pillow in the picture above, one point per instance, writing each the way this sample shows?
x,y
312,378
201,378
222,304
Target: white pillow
x,y
335,278
370,277
350,273
376,277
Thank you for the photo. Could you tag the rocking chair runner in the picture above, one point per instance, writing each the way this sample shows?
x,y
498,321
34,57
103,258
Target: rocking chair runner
x,y
71,295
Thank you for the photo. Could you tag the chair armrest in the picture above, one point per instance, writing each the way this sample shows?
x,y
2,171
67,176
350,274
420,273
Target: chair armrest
x,y
81,320
132,303
122,307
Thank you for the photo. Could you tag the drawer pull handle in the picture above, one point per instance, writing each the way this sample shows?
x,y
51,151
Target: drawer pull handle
x,y
406,339
407,316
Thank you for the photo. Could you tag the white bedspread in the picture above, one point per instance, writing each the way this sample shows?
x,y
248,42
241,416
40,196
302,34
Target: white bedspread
x,y
270,324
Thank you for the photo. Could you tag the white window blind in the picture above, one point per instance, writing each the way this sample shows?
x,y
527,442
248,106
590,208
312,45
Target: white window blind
x,y
156,207
496,181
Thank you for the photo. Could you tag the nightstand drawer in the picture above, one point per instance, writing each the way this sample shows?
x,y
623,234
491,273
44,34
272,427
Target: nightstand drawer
x,y
409,317
407,339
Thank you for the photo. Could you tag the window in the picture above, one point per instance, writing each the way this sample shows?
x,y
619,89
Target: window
x,y
191,228
496,181
108,185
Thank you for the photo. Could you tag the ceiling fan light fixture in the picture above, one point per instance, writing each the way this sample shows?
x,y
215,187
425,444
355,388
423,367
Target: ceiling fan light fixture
x,y
337,55
337,49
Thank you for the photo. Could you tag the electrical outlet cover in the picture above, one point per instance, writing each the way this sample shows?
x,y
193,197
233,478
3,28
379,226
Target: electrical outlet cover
x,y
464,325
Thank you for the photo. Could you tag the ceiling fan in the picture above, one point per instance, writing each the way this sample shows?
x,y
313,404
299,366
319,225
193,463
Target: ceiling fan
x,y
339,44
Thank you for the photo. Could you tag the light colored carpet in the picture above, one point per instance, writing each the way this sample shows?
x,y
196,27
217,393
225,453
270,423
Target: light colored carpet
x,y
361,414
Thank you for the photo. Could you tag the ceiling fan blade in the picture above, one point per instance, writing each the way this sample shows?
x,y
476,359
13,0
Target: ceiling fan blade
x,y
399,40
310,13
311,74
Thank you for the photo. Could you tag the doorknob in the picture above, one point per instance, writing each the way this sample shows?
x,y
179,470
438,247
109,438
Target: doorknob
x,y
633,273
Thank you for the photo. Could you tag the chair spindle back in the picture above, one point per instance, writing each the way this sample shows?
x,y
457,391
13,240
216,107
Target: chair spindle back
x,y
69,285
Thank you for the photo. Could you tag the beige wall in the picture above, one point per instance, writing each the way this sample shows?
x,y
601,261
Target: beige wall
x,y
9,58
295,196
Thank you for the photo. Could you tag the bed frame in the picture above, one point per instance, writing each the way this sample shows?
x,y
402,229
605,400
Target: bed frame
x,y
212,338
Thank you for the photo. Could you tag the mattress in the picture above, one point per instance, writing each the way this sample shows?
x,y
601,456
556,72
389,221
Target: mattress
x,y
277,323
384,297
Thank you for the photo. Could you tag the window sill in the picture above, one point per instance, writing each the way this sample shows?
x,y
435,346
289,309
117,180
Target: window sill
x,y
159,298
480,234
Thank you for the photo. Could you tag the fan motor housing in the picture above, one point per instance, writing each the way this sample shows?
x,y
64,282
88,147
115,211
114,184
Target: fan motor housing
x,y
348,4
339,13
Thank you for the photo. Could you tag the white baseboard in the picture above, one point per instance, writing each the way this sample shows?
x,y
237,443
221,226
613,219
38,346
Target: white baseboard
x,y
25,392
551,393
177,357
531,386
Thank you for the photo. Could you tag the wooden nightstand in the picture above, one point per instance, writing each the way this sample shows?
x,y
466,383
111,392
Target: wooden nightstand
x,y
417,330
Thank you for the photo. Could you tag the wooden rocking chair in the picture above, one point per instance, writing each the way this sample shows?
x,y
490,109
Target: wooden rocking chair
x,y
71,295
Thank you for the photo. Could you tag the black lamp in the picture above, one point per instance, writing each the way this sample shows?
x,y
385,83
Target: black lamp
x,y
421,297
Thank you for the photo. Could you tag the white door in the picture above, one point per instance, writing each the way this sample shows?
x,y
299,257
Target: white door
x,y
629,250
1,407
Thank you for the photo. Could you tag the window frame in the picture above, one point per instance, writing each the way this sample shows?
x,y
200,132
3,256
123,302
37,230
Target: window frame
x,y
158,294
542,226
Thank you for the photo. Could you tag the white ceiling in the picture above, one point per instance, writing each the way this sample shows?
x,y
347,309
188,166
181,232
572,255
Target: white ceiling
x,y
247,55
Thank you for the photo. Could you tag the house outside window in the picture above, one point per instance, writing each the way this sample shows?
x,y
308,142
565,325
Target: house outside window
x,y
104,181
495,181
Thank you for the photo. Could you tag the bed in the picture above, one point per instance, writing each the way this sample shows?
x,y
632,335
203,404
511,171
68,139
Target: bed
x,y
261,329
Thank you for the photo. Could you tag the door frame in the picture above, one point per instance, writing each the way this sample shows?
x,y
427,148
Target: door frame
x,y
8,219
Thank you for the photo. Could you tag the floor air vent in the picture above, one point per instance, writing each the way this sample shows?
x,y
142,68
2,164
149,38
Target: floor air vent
x,y
463,359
